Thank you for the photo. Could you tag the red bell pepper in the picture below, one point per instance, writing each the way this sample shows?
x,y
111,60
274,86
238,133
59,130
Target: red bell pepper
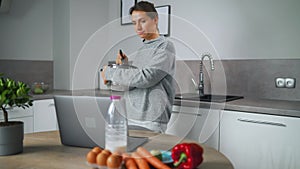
x,y
187,155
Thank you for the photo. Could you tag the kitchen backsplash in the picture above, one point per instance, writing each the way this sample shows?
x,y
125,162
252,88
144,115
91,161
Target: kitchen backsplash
x,y
28,71
249,78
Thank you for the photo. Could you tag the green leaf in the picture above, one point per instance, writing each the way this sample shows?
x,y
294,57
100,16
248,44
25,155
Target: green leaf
x,y
14,93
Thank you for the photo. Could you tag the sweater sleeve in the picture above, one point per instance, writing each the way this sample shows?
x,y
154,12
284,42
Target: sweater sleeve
x,y
161,63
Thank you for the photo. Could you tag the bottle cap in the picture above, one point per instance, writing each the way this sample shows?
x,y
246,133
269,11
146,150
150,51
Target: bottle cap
x,y
115,97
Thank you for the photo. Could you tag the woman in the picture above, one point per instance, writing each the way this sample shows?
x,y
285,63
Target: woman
x,y
150,99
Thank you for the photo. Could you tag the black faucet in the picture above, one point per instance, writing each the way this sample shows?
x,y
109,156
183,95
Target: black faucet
x,y
201,75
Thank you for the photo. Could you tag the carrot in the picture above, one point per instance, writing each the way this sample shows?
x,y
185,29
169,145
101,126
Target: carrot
x,y
141,162
155,162
126,156
130,163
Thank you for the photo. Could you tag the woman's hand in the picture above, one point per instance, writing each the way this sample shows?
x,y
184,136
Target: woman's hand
x,y
121,58
103,74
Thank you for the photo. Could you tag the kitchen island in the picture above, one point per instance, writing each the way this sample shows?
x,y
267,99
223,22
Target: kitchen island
x,y
44,151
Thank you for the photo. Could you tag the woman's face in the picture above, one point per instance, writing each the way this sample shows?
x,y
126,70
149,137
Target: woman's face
x,y
144,26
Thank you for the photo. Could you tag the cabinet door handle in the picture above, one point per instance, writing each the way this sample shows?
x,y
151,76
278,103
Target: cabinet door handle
x,y
51,104
262,122
187,113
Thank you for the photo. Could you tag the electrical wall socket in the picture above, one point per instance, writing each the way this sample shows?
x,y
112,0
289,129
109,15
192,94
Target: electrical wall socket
x,y
281,82
290,82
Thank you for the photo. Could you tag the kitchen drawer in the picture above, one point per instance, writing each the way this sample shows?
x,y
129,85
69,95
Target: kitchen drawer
x,y
195,123
18,112
44,115
260,141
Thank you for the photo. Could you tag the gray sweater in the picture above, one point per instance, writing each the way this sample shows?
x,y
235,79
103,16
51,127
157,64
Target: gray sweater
x,y
152,84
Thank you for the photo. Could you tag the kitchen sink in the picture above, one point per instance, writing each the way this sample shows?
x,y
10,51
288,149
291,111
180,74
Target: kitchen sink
x,y
207,97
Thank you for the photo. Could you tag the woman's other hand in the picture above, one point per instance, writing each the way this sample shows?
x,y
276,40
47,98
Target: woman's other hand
x,y
121,58
103,74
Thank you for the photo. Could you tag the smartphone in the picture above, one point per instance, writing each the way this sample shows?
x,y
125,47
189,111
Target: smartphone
x,y
121,53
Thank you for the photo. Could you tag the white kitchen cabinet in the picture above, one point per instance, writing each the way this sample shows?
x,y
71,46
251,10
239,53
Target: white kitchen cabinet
x,y
44,115
28,123
20,114
260,141
195,123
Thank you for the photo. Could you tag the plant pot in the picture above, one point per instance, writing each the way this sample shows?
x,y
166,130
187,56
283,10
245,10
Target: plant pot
x,y
11,138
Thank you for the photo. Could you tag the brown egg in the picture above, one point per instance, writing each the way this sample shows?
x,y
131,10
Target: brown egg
x,y
106,151
114,161
97,150
102,158
91,157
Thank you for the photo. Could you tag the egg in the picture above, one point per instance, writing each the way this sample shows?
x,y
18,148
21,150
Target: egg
x,y
106,151
97,150
91,157
114,161
102,158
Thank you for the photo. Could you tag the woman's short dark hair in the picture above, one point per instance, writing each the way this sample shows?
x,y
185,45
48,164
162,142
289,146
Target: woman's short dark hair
x,y
146,7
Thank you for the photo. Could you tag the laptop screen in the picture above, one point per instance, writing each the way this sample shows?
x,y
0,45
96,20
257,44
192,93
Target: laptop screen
x,y
81,121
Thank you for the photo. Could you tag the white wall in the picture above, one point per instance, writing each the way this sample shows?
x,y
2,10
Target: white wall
x,y
238,29
86,18
234,29
26,30
75,22
230,29
61,44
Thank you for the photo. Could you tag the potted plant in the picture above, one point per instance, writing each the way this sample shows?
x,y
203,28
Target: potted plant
x,y
12,94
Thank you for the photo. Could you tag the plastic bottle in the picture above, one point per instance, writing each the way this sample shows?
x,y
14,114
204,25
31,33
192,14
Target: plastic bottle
x,y
116,126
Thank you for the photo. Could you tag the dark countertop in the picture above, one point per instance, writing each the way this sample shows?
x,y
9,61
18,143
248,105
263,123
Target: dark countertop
x,y
252,105
87,92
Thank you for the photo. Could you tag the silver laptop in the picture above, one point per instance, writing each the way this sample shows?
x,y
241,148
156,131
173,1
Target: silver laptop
x,y
81,121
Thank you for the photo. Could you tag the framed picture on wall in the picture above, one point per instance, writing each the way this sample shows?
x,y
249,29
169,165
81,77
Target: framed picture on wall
x,y
125,6
164,19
